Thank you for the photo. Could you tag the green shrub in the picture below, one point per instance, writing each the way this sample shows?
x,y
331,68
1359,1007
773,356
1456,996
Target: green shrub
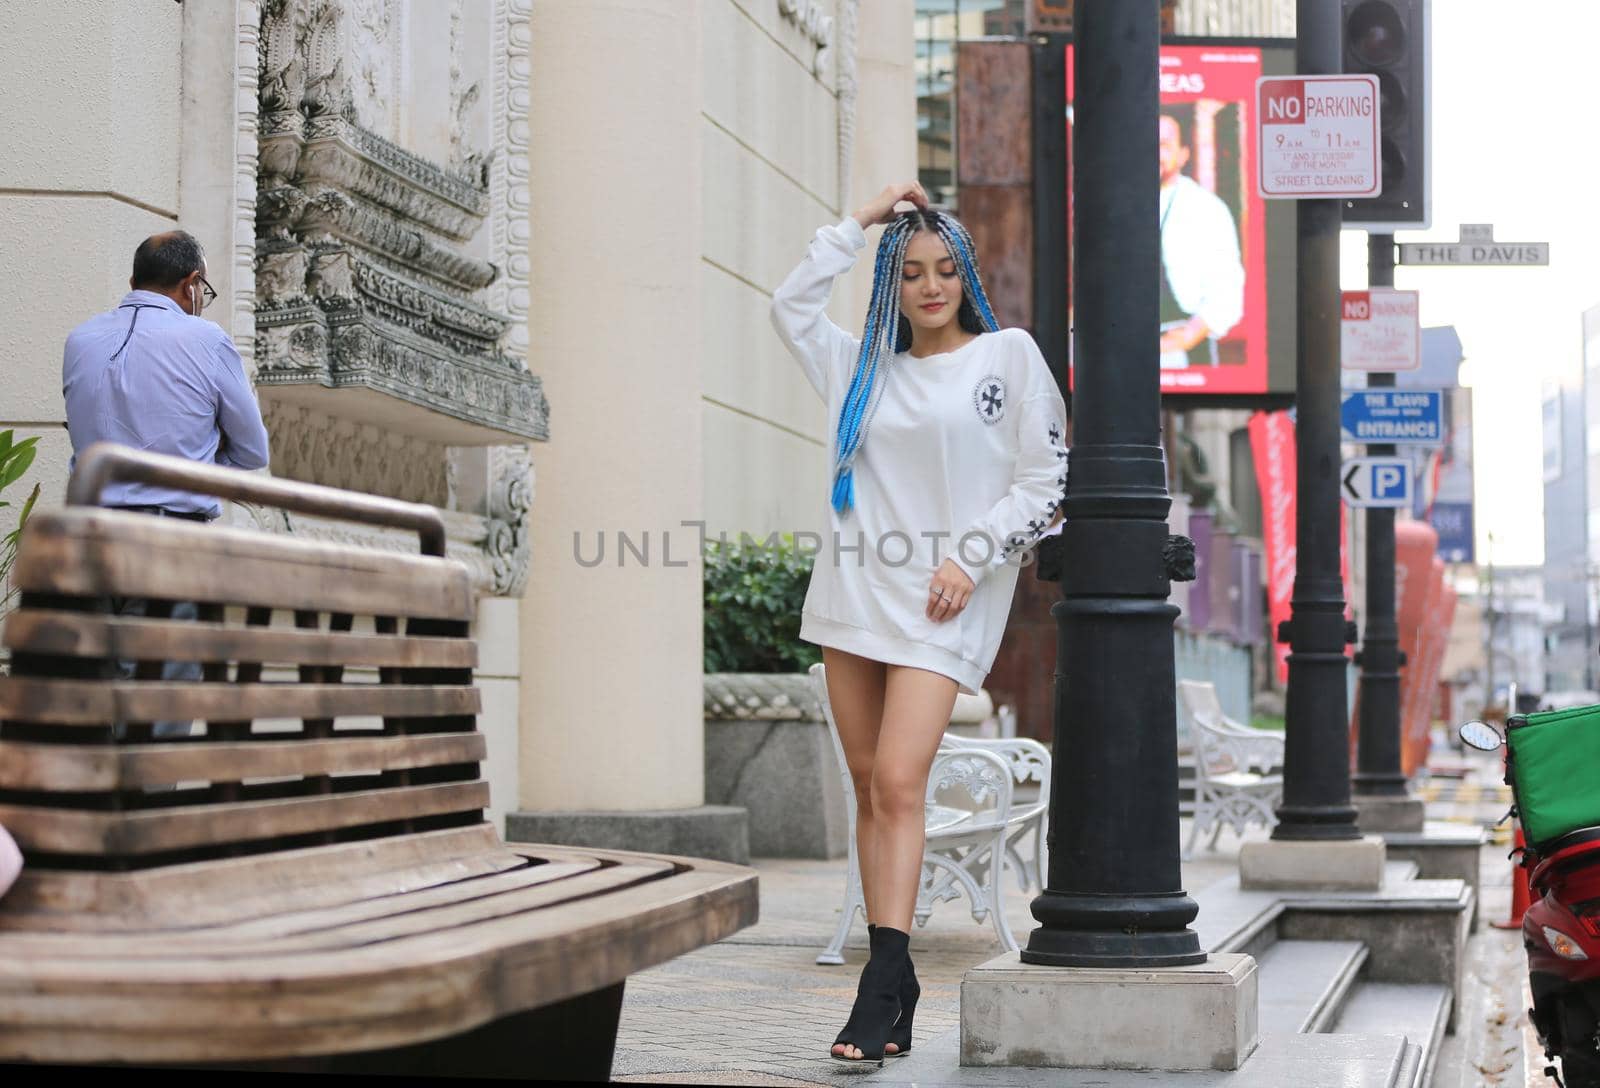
x,y
753,594
15,459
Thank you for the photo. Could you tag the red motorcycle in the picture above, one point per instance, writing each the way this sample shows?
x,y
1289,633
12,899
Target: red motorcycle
x,y
1561,928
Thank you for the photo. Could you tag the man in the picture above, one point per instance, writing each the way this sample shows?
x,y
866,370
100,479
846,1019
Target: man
x,y
1202,276
153,374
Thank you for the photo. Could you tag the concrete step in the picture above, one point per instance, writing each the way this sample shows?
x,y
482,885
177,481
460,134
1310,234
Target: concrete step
x,y
1283,1060
1303,985
1419,1011
1398,871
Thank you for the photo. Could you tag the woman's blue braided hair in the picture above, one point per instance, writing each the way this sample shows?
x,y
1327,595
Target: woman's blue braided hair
x,y
888,332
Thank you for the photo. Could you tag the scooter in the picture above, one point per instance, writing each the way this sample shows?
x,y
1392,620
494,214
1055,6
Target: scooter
x,y
1561,933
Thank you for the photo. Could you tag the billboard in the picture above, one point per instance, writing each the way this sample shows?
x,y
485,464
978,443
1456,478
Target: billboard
x,y
1227,256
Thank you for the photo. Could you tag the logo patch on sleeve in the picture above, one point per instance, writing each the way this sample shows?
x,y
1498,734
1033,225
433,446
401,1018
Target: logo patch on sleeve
x,y
989,398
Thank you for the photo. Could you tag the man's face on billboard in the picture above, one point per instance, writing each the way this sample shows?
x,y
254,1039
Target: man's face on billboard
x,y
1174,156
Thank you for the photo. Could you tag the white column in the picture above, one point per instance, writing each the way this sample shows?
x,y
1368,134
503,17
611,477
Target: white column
x,y
611,655
885,148
90,129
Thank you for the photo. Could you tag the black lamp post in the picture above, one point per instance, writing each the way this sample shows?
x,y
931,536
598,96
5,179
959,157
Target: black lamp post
x,y
1114,896
1378,765
1316,760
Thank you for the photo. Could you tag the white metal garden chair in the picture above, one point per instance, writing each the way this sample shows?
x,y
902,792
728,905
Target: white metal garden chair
x,y
974,829
1234,781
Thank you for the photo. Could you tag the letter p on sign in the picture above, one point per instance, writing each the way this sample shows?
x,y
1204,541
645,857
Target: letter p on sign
x,y
1388,481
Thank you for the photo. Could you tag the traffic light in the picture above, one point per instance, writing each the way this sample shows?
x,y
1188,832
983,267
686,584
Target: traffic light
x,y
1389,39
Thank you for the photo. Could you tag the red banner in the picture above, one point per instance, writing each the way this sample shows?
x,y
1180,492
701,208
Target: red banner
x,y
1272,449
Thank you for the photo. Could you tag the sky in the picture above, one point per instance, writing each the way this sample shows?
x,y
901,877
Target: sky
x,y
1516,143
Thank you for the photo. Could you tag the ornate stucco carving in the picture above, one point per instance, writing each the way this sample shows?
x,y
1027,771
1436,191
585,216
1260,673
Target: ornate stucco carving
x,y
510,499
364,275
247,14
491,538
318,448
376,268
508,177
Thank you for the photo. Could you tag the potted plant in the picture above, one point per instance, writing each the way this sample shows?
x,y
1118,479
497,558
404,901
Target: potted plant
x,y
766,745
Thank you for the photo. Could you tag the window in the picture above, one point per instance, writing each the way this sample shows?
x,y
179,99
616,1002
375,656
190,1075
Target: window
x,y
938,26
1552,432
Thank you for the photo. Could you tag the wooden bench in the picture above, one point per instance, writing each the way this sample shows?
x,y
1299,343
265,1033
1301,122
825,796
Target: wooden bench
x,y
307,882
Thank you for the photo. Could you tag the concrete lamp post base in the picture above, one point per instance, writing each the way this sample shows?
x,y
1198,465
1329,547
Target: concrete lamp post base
x,y
1197,1017
1380,814
1338,864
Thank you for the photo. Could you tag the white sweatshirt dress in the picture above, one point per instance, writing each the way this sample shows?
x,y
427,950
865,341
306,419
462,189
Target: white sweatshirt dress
x,y
965,458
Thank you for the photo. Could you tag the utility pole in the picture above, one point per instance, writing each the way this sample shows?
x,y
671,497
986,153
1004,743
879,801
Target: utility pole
x,y
1114,895
1316,777
1380,781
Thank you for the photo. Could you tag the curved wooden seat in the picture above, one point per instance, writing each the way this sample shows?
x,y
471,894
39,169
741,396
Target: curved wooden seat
x,y
307,874
359,972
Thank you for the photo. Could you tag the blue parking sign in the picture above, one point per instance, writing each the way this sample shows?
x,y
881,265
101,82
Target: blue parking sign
x,y
1376,481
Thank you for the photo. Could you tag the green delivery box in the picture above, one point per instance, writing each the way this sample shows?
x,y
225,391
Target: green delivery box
x,y
1555,760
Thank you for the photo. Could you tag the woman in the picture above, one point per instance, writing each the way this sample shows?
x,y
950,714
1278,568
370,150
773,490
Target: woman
x,y
932,520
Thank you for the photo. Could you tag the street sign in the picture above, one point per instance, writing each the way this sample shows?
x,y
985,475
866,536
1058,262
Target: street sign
x,y
1318,136
1477,248
1380,329
1400,416
1376,481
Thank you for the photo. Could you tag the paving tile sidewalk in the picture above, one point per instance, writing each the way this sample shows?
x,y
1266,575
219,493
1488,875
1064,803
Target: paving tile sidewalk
x,y
757,1009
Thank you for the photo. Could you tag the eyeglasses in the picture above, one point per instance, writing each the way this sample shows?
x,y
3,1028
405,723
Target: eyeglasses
x,y
208,295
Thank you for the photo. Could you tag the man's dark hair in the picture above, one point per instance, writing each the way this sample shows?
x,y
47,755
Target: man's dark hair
x,y
162,260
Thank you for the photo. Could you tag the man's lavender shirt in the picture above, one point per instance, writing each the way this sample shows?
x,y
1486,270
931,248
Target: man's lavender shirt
x,y
177,387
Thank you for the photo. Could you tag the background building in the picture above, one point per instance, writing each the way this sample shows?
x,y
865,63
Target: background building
x,y
1568,659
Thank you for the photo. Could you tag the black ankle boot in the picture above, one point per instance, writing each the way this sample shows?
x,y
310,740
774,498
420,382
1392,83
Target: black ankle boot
x,y
877,1004
910,991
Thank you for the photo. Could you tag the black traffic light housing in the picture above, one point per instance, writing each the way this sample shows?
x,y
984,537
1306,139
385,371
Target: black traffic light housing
x,y
1389,39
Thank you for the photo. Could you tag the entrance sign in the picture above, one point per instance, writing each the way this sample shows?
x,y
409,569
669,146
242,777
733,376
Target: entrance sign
x,y
1380,329
1409,416
1376,481
1318,136
1477,248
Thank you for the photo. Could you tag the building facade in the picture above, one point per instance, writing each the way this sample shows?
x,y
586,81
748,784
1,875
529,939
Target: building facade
x,y
1566,531
510,258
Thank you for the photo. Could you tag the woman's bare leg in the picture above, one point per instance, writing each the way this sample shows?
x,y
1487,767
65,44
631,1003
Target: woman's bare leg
x,y
917,706
855,692
916,710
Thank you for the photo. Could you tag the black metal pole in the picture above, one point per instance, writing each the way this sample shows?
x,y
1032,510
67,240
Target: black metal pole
x,y
1316,761
1378,765
1114,894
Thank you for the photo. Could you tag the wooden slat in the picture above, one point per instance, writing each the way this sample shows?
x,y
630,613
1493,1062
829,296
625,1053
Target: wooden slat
x,y
97,552
78,702
152,831
356,925
81,768
378,995
205,893
78,634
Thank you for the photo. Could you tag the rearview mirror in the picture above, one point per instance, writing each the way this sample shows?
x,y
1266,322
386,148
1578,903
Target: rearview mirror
x,y
1480,735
